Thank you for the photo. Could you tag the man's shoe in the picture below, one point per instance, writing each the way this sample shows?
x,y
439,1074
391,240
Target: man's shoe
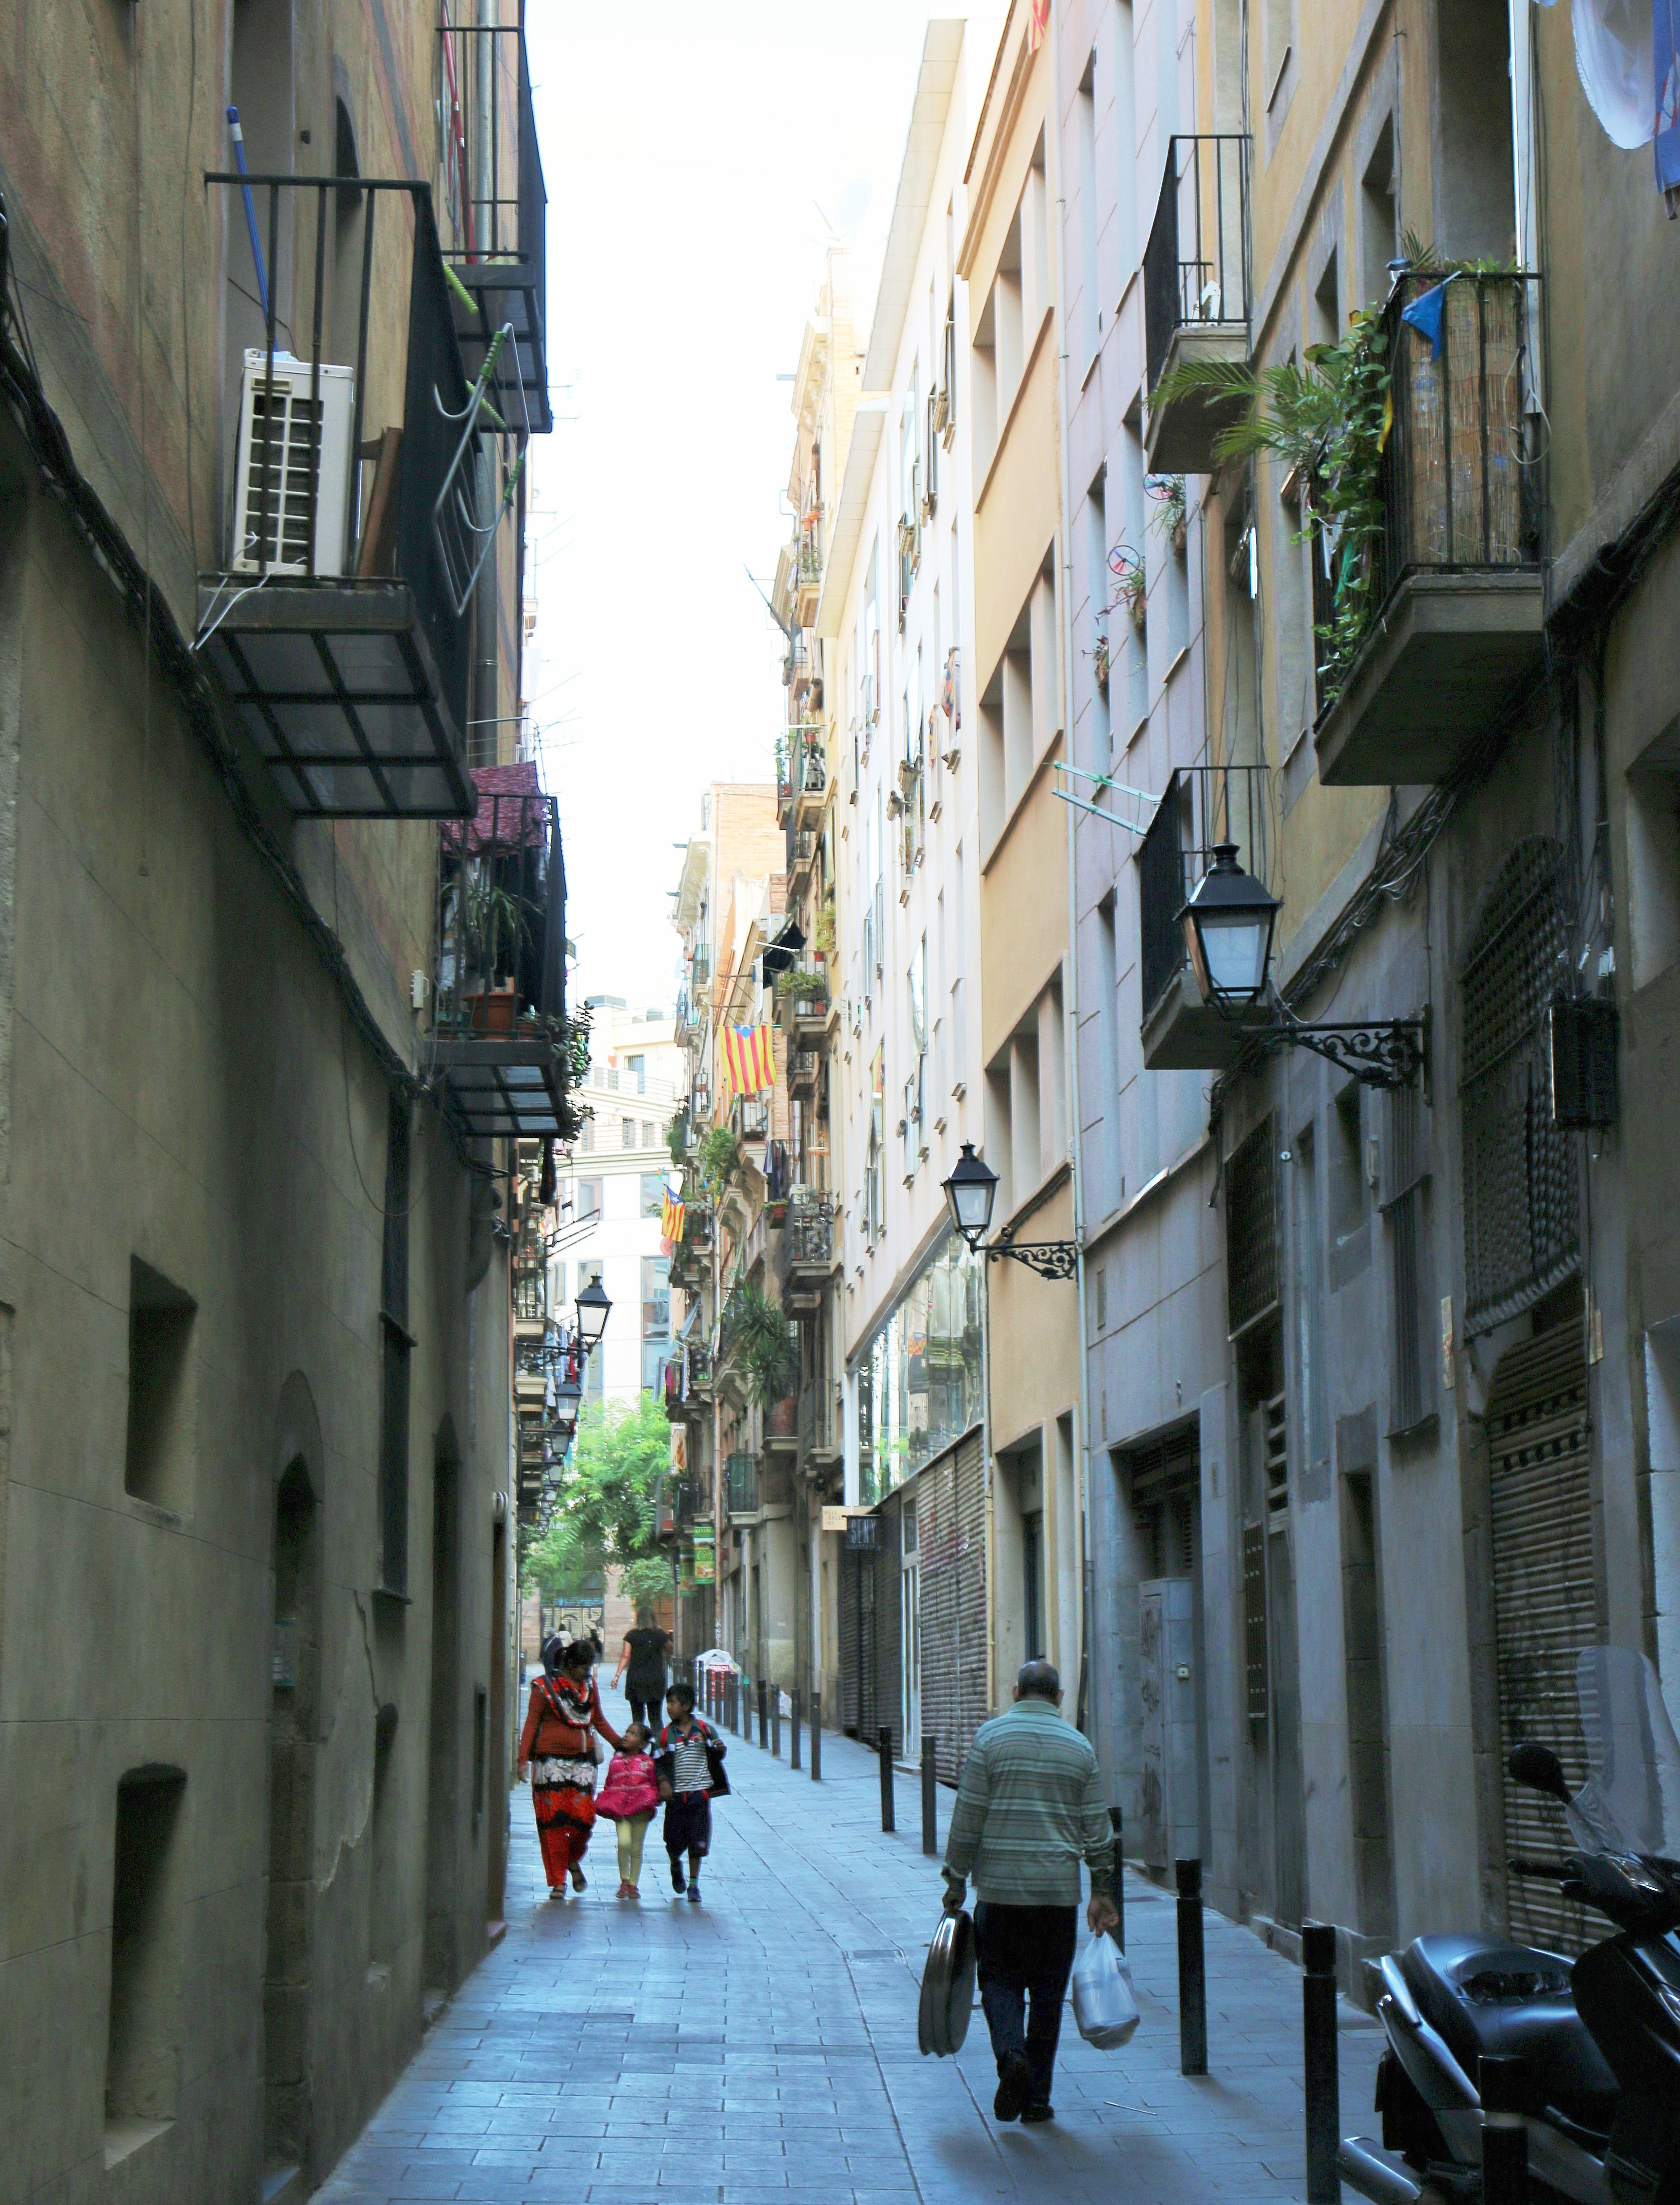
x,y
1012,2086
694,1894
679,1881
1038,2114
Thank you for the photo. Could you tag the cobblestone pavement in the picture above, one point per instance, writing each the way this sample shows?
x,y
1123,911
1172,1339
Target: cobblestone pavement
x,y
760,2047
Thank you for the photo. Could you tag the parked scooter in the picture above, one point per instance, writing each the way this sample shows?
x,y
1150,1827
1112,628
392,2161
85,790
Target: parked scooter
x,y
1596,2040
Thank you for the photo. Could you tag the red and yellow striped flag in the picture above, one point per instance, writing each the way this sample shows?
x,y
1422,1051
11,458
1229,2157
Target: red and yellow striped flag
x,y
1038,22
749,1060
671,1216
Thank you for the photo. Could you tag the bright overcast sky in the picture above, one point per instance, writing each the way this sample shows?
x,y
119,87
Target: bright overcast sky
x,y
687,151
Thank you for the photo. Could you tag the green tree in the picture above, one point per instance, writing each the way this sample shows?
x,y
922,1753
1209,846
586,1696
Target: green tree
x,y
606,1511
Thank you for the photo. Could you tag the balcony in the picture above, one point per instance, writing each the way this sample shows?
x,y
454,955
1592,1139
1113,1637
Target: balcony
x,y
500,1037
1195,294
808,571
806,1257
1426,629
802,1004
1202,805
804,1073
811,782
740,1489
337,624
491,205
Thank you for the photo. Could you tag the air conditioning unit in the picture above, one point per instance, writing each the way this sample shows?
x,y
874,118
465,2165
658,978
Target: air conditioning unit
x,y
277,436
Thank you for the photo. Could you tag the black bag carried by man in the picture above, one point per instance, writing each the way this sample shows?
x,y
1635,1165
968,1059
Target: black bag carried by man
x,y
947,1987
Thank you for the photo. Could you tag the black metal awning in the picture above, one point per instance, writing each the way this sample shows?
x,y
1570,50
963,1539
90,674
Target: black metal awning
x,y
504,1088
334,682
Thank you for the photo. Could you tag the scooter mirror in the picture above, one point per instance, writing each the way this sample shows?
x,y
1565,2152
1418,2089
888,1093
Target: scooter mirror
x,y
1539,1768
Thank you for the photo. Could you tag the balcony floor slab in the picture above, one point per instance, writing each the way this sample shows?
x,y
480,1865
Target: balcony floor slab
x,y
1183,1034
1178,438
1446,649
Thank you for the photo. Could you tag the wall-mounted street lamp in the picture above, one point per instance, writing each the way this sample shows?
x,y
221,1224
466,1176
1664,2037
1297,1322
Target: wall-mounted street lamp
x,y
593,1309
970,1193
1228,923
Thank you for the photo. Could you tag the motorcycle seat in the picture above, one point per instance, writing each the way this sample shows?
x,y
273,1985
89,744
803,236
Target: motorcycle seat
x,y
1513,2001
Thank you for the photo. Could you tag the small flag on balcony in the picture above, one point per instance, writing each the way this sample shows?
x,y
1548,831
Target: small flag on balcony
x,y
1038,22
671,1216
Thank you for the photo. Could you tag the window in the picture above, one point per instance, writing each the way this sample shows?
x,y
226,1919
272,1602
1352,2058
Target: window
x,y
1309,1318
588,1199
144,2027
1350,1237
656,1297
1379,229
1125,139
1091,307
385,1829
1102,1299
628,1133
653,1193
1032,1572
1099,747
157,1463
1405,1168
1327,304
396,1345
636,1068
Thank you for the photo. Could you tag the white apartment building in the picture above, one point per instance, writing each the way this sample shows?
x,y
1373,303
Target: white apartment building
x,y
895,618
610,1193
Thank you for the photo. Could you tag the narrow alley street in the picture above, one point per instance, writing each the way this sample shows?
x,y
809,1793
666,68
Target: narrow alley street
x,y
762,2046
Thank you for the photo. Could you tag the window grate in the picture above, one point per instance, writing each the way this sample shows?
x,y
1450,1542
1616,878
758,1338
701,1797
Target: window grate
x,y
1252,1225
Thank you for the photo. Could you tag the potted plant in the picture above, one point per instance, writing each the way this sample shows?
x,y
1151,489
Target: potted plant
x,y
1168,492
1100,663
1131,583
765,1340
493,927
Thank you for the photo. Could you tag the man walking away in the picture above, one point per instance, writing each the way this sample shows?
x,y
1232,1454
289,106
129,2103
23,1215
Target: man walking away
x,y
1029,1808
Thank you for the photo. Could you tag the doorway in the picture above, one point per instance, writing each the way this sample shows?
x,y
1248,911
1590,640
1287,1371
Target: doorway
x,y
443,1820
498,1720
288,1970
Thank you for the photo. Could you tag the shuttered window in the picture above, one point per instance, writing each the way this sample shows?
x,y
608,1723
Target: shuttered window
x,y
1545,1605
1253,1283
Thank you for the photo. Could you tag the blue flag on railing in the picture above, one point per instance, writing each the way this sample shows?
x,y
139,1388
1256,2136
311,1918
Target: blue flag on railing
x,y
1424,314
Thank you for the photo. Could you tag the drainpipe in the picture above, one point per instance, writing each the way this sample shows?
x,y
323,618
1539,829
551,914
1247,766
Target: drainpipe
x,y
1070,992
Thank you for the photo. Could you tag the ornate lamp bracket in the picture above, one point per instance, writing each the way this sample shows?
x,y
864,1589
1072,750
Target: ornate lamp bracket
x,y
1051,1259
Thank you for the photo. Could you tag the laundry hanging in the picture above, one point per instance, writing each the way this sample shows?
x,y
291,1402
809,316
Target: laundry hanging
x,y
1627,55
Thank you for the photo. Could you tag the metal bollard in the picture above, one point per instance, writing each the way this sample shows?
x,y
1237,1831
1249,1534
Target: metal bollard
x,y
885,1751
929,1792
1321,2068
775,1721
1192,1971
816,1737
793,1741
763,1712
735,1705
1504,2136
1118,1887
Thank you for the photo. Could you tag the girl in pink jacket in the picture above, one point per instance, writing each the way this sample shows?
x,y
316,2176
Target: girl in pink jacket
x,y
628,1798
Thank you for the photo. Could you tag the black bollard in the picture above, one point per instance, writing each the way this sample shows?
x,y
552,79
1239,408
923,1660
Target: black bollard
x,y
929,1792
816,1737
775,1721
1321,2070
763,1713
886,1752
735,1705
1118,1887
793,1741
1504,2136
1192,1972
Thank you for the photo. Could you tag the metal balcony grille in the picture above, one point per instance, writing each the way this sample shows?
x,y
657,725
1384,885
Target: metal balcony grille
x,y
1252,1261
1522,1195
1200,806
1196,264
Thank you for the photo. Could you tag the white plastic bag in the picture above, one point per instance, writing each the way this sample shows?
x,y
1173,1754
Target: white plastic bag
x,y
1104,2004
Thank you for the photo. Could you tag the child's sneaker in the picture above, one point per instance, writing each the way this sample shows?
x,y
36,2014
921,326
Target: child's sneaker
x,y
679,1881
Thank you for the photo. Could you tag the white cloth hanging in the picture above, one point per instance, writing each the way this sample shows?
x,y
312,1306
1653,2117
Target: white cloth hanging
x,y
1614,52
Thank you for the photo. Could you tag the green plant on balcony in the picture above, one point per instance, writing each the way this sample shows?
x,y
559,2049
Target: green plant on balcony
x,y
802,987
822,935
763,1342
719,1160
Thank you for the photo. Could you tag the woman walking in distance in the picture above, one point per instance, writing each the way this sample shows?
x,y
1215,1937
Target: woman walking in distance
x,y
644,1654
556,1744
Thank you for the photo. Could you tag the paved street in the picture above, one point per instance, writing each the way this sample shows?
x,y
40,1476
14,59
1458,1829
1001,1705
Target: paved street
x,y
762,2047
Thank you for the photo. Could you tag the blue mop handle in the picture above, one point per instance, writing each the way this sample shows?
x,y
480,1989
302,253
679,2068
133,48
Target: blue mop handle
x,y
250,208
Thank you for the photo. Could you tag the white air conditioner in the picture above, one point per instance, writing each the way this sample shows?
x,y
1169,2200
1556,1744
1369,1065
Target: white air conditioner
x,y
274,427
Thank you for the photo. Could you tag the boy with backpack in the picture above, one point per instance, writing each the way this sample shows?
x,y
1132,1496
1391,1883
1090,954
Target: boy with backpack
x,y
689,1762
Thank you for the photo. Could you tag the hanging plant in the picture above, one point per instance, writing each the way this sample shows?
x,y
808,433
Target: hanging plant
x,y
1172,517
823,938
1100,663
719,1160
1131,583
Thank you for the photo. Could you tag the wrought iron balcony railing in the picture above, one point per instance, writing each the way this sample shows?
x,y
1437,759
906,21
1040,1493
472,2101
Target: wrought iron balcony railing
x,y
1196,289
740,1485
1202,805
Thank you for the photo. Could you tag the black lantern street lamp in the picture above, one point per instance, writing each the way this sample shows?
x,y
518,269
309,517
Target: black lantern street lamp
x,y
1228,923
593,1308
969,1193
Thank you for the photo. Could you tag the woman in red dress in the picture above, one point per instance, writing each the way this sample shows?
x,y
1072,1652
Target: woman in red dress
x,y
556,1744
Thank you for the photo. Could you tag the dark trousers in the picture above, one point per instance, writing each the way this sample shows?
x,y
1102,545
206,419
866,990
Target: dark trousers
x,y
1025,1956
646,1711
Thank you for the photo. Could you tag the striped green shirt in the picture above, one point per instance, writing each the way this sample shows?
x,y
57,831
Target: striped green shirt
x,y
1029,1808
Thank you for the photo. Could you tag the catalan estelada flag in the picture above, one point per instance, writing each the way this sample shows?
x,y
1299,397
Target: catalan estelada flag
x,y
749,1060
671,1216
1038,22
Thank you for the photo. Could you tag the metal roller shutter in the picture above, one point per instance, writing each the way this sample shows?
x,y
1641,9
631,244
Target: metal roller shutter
x,y
951,1498
889,1624
1545,1602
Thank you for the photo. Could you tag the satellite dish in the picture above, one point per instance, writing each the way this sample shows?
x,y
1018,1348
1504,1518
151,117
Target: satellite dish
x,y
854,204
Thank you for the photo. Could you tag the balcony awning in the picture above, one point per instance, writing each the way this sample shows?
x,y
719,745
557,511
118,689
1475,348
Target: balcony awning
x,y
503,1089
335,684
